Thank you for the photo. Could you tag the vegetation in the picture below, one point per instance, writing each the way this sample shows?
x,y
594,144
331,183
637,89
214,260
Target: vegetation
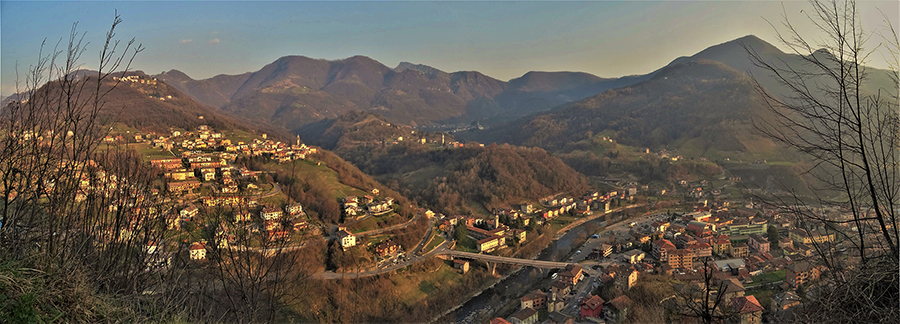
x,y
850,131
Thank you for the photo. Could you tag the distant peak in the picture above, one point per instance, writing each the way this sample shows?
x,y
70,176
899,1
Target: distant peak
x,y
755,43
427,70
175,73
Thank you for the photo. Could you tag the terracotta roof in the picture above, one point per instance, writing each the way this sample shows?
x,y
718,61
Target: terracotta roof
x,y
593,302
620,303
537,294
197,246
733,285
681,251
746,304
664,244
571,270
524,313
499,321
701,245
561,284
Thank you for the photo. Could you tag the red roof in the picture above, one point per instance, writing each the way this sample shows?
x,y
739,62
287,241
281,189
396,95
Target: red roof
x,y
746,304
197,246
664,244
593,302
499,321
621,302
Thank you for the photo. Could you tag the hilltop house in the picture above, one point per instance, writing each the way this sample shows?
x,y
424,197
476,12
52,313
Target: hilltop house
x,y
346,238
270,213
198,251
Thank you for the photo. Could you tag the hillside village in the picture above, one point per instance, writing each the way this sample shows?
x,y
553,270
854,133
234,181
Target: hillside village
x,y
738,252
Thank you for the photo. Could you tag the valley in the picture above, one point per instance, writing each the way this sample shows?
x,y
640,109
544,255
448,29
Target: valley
x,y
347,191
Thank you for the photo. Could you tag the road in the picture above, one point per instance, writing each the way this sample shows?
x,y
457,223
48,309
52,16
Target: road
x,y
411,259
390,228
499,259
619,229
442,250
577,223
276,188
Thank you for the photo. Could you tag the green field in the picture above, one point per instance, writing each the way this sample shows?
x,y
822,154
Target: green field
x,y
415,288
435,241
312,172
770,276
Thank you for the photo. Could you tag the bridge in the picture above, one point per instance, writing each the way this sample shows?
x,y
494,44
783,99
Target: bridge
x,y
493,260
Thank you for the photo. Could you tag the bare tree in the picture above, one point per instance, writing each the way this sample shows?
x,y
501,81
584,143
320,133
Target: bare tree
x,y
256,265
705,300
82,216
850,127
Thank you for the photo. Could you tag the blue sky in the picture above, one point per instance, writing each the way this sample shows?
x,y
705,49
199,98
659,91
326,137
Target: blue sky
x,y
501,39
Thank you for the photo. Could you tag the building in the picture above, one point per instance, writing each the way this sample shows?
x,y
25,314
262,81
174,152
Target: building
x,y
591,306
387,248
759,243
346,238
626,278
740,250
182,186
700,249
524,316
198,251
633,256
572,273
732,288
721,245
536,299
167,164
661,249
189,212
604,250
806,237
560,289
616,310
681,258
732,265
242,216
744,226
748,309
785,300
498,320
801,272
491,243
293,209
270,213
462,265
559,318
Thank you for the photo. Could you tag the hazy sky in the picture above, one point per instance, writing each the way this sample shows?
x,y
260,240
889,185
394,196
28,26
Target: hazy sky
x,y
501,39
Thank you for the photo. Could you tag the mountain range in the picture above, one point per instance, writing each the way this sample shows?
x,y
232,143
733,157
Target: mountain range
x,y
297,90
702,105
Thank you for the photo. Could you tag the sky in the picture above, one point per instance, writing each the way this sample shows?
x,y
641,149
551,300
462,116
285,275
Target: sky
x,y
501,39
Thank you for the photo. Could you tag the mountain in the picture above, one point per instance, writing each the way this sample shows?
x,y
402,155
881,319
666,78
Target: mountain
x,y
215,91
735,54
143,102
297,90
428,70
686,101
434,169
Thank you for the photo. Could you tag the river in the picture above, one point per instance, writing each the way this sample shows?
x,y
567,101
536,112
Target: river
x,y
486,304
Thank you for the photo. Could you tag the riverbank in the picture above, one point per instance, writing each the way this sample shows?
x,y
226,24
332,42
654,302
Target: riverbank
x,y
496,299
